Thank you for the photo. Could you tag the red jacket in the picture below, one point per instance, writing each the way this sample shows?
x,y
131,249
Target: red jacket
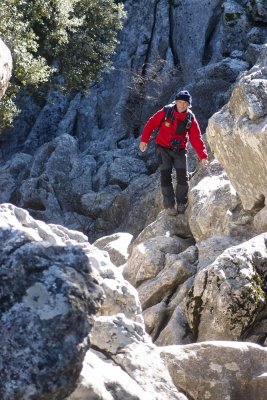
x,y
167,132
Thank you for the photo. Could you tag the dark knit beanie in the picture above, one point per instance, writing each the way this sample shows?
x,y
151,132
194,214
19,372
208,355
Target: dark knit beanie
x,y
184,95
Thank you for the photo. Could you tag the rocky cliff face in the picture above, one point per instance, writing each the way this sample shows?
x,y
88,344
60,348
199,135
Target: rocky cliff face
x,y
88,145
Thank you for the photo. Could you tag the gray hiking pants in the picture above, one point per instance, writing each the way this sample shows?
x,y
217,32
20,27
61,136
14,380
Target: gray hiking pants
x,y
168,160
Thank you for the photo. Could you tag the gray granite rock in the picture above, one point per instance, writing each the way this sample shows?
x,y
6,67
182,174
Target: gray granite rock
x,y
258,9
218,370
214,206
48,297
237,135
228,295
117,245
132,349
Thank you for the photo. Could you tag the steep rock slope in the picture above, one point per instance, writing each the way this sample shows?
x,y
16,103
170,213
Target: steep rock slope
x,y
195,281
202,276
88,146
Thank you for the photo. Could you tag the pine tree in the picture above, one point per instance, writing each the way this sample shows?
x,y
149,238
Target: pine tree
x,y
71,38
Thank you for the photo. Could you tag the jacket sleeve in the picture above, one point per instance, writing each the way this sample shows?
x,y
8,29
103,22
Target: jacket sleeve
x,y
196,140
153,123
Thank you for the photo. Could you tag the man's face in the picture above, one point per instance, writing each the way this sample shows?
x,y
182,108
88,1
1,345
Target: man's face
x,y
182,105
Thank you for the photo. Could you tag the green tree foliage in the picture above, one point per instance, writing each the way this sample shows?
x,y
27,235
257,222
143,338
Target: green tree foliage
x,y
71,38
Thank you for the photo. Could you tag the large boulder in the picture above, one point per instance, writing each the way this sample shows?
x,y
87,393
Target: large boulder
x,y
212,204
228,295
132,350
148,258
218,370
175,272
164,225
237,135
5,67
112,384
215,209
48,297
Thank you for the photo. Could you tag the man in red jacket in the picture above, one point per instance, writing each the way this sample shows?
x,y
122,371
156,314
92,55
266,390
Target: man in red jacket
x,y
176,125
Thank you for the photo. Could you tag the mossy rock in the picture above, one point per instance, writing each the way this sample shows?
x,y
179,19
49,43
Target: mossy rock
x,y
232,17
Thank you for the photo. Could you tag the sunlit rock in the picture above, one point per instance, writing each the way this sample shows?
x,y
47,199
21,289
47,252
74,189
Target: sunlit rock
x,y
228,295
237,135
5,67
218,370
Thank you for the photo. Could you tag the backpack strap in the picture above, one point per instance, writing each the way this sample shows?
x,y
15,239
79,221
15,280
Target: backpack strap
x,y
189,118
185,125
169,111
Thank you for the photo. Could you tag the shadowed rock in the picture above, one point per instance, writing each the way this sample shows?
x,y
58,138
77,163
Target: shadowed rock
x,y
47,298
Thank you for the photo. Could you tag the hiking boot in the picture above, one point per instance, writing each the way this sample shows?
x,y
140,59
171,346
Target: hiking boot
x,y
171,211
181,208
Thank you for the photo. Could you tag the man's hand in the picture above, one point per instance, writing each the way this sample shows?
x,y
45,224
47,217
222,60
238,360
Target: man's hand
x,y
142,146
204,162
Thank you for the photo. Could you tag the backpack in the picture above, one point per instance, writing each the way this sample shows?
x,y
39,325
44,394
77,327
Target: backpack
x,y
184,126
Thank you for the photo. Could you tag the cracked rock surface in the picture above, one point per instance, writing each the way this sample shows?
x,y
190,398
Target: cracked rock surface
x,y
48,297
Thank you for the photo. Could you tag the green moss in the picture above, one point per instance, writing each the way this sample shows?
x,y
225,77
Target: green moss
x,y
231,17
257,286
